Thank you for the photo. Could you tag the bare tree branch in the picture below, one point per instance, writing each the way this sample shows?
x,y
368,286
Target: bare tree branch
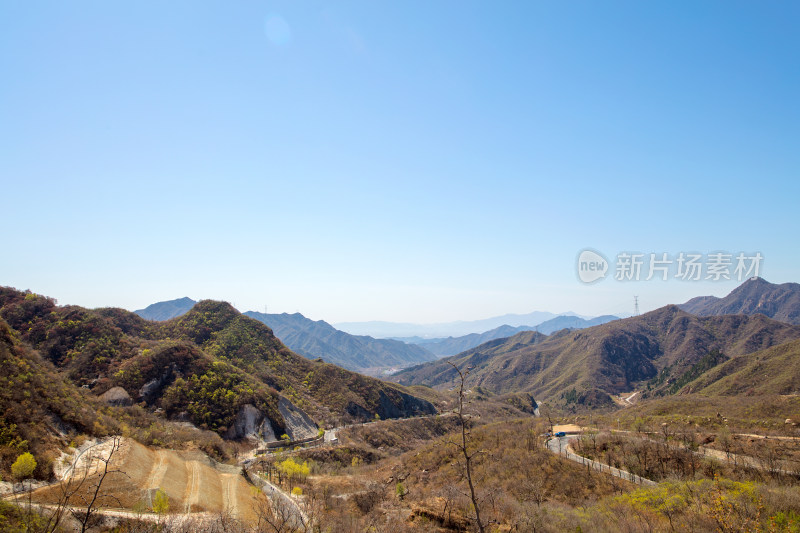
x,y
463,446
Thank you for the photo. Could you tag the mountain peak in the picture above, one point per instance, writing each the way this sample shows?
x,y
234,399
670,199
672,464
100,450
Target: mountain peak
x,y
215,306
161,311
756,281
754,296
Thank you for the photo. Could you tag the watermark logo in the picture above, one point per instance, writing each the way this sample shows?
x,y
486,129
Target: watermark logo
x,y
592,266
684,266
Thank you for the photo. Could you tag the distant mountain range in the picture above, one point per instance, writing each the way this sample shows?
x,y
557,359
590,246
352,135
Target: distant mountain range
x,y
572,322
781,302
663,350
355,352
363,353
165,310
652,351
381,329
316,339
454,345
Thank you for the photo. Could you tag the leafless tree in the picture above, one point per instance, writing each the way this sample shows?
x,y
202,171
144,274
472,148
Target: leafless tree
x,y
73,487
535,489
449,494
725,441
278,515
463,447
92,500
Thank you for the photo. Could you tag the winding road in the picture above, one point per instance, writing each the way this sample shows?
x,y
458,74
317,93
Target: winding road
x,y
560,446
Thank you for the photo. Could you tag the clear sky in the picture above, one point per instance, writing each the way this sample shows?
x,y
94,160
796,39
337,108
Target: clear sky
x,y
412,161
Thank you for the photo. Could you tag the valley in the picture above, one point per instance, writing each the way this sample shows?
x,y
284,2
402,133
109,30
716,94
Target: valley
x,y
399,267
206,419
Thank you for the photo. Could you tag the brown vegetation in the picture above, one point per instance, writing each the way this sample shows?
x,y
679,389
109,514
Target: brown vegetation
x,y
581,369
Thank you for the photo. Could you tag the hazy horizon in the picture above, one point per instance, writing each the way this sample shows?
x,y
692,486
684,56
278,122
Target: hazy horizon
x,y
620,313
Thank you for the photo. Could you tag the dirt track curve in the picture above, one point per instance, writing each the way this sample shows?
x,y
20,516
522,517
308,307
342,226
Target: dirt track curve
x,y
192,482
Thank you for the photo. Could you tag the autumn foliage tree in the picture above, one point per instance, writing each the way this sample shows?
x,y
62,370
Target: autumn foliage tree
x,y
24,466
293,471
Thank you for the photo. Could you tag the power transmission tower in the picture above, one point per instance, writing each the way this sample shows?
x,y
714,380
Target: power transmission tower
x,y
635,306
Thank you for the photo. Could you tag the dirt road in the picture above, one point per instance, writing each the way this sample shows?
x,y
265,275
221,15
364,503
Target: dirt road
x,y
192,482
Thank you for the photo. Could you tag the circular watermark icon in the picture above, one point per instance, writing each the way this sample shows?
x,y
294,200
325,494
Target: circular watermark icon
x,y
592,266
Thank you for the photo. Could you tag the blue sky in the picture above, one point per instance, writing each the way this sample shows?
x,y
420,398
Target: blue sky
x,y
408,161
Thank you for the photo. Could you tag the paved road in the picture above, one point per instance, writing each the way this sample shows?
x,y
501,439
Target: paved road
x,y
281,498
775,437
629,398
331,434
277,495
747,460
560,446
172,518
281,502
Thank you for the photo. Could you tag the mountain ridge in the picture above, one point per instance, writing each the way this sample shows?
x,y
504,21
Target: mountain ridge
x,y
317,338
756,295
384,329
455,345
588,366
